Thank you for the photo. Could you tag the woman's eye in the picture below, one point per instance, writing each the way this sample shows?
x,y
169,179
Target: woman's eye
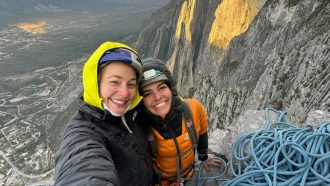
x,y
114,82
163,87
132,85
145,94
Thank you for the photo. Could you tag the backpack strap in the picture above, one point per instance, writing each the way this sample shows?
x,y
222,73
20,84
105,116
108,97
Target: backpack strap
x,y
157,173
190,125
152,141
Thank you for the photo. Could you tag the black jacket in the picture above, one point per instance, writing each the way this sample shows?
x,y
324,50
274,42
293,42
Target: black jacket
x,y
97,149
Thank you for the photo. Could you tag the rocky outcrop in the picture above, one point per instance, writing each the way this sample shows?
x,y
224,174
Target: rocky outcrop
x,y
277,56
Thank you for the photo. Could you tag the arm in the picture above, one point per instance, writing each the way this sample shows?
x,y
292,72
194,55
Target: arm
x,y
83,158
202,145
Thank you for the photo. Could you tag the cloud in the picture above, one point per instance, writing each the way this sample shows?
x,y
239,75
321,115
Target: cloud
x,y
48,8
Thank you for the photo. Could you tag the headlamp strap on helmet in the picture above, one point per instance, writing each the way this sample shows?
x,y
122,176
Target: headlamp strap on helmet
x,y
152,73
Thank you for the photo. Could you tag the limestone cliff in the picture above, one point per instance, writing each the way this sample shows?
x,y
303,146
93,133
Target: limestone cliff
x,y
186,15
231,19
238,55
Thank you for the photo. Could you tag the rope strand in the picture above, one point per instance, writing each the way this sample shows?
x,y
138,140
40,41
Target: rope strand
x,y
281,154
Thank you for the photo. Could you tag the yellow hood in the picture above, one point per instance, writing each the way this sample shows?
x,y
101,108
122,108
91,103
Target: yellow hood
x,y
90,82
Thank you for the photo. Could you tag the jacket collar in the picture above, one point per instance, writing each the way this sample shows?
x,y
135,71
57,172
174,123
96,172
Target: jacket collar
x,y
95,112
173,118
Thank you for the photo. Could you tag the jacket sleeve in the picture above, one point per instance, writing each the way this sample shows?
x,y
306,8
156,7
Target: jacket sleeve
x,y
83,159
202,145
202,117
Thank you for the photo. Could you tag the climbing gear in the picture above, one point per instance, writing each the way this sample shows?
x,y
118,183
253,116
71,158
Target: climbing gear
x,y
191,130
123,55
280,154
190,125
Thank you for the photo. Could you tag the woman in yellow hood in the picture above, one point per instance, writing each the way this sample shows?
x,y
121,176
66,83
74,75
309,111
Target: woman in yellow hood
x,y
105,142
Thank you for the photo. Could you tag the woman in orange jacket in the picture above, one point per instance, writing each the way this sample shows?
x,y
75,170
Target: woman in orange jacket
x,y
178,126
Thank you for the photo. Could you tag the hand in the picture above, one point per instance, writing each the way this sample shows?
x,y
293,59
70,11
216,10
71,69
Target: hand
x,y
175,184
212,162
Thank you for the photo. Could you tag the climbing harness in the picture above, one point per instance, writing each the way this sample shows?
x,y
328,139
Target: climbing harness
x,y
281,154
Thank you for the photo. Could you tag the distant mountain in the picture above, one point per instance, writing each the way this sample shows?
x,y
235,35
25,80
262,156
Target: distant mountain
x,y
19,10
78,5
234,56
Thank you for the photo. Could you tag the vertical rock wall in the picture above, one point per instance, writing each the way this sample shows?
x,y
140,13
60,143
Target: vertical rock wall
x,y
234,57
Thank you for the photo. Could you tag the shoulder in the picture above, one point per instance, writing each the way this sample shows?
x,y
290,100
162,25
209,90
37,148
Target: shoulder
x,y
79,130
193,102
196,107
79,121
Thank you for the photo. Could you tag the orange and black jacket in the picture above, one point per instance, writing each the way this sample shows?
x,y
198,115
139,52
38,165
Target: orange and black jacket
x,y
173,126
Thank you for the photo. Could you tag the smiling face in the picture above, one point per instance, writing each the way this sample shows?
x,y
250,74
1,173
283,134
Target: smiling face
x,y
117,86
157,98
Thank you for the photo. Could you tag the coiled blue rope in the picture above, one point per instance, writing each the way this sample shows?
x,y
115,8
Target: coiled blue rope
x,y
281,154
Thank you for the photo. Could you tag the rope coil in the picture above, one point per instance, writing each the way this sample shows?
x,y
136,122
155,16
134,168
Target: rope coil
x,y
281,154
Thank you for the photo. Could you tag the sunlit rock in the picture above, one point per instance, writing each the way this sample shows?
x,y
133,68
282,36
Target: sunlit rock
x,y
33,28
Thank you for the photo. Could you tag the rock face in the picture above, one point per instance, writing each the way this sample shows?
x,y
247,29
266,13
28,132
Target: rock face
x,y
240,55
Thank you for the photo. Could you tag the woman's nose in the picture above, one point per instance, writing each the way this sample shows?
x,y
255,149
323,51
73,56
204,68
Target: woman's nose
x,y
124,91
157,96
